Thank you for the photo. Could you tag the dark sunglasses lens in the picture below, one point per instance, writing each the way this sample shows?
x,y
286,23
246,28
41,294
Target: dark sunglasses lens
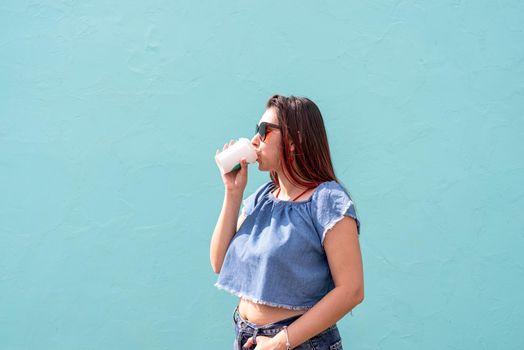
x,y
261,129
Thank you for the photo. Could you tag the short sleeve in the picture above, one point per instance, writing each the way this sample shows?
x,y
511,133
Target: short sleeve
x,y
330,204
248,204
252,200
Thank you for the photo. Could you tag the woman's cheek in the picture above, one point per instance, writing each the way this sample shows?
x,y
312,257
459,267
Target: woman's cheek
x,y
269,136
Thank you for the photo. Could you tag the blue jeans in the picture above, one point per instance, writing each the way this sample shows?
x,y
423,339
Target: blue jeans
x,y
328,339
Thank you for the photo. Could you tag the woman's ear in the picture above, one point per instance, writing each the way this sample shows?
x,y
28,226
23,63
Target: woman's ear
x,y
292,145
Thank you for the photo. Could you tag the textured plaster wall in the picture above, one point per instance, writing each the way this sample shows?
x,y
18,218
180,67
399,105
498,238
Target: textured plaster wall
x,y
110,114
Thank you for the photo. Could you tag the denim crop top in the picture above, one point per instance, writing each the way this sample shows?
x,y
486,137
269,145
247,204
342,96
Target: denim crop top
x,y
277,255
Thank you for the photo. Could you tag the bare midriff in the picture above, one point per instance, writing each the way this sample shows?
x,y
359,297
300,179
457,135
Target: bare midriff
x,y
264,314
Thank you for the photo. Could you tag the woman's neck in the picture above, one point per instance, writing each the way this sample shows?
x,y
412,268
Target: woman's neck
x,y
287,189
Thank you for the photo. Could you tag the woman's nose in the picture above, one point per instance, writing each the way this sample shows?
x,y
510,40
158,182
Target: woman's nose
x,y
255,141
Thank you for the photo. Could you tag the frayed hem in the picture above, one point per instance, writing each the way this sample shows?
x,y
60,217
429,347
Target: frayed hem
x,y
333,223
259,301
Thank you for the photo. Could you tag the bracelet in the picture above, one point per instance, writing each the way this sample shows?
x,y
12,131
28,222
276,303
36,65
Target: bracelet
x,y
288,346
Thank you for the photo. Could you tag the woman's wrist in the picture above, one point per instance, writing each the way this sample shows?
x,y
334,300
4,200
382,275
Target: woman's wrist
x,y
281,340
233,195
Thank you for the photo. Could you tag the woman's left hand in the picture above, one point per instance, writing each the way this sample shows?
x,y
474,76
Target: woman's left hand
x,y
264,343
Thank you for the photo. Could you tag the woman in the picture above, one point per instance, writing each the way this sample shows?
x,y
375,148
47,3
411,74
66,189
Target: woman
x,y
294,280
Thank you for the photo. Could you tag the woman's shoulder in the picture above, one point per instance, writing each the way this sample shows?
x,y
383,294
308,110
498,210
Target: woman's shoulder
x,y
332,202
264,188
328,188
254,198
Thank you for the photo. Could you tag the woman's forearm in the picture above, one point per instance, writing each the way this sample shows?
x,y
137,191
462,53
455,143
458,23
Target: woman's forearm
x,y
331,308
224,229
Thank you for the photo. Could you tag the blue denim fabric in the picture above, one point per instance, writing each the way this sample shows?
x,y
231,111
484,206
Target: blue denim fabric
x,y
277,256
328,339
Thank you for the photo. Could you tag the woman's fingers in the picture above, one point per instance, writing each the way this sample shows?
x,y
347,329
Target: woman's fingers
x,y
243,165
248,343
242,172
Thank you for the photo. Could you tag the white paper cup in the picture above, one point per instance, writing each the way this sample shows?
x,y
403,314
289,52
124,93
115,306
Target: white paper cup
x,y
229,159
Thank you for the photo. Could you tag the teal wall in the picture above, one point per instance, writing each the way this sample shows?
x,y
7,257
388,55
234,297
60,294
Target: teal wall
x,y
110,115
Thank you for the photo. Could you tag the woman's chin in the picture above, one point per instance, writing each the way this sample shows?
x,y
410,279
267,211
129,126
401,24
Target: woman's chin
x,y
261,167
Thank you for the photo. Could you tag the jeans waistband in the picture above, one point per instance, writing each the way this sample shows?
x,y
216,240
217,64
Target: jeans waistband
x,y
267,329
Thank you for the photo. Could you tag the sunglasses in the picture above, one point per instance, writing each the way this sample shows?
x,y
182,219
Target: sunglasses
x,y
265,128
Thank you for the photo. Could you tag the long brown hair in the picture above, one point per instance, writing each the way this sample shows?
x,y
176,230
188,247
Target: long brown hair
x,y
302,124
